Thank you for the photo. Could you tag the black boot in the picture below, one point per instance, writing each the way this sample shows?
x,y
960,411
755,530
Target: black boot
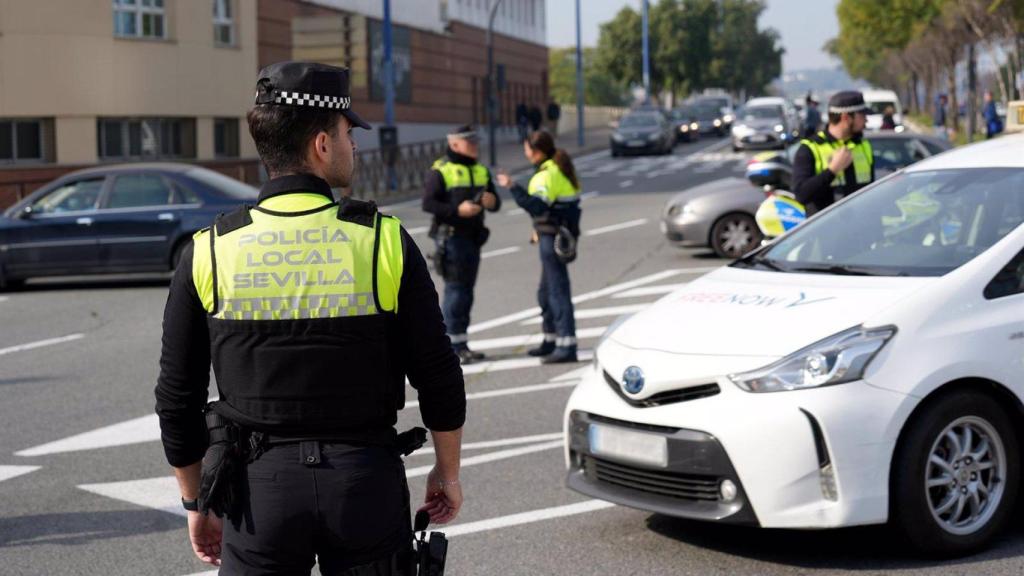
x,y
467,356
545,348
561,355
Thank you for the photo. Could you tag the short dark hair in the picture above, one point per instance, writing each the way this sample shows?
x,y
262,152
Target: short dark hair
x,y
282,133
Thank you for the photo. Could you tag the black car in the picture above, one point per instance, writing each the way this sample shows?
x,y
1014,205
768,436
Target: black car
x,y
709,120
685,124
643,132
113,219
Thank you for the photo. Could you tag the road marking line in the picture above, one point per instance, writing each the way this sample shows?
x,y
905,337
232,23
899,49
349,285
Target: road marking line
x,y
526,517
710,167
528,339
510,391
4,298
516,363
573,375
601,293
490,457
41,343
598,312
534,439
515,212
587,195
501,252
135,431
418,230
625,183
616,227
593,156
8,472
404,204
650,290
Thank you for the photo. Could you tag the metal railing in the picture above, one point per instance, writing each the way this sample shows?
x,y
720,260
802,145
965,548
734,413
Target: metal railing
x,y
411,167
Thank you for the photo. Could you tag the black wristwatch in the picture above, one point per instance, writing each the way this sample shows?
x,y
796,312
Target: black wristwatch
x,y
190,505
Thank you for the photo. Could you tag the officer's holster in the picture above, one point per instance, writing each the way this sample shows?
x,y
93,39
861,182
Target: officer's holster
x,y
224,457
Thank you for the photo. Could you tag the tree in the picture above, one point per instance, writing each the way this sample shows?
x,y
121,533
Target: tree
x,y
599,88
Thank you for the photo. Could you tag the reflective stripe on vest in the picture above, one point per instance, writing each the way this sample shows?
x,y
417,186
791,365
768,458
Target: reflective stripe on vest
x,y
284,267
552,185
862,158
456,175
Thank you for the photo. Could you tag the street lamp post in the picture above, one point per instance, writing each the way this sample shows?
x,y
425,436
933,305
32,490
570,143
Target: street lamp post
x,y
490,82
579,80
389,94
647,56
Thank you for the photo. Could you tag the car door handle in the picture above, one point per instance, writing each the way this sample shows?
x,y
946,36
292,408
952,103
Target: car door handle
x,y
84,221
166,217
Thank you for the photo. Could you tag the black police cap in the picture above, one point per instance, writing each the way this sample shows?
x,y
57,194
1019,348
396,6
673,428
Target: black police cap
x,y
848,101
307,84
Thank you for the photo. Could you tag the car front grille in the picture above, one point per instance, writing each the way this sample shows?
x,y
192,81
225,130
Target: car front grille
x,y
663,398
691,487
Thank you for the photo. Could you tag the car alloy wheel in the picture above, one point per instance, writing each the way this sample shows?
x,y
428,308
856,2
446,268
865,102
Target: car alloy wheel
x,y
735,235
964,477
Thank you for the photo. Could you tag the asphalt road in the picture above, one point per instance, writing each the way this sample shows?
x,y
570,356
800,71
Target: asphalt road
x,y
84,488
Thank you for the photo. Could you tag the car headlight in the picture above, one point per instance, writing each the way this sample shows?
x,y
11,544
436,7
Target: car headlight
x,y
727,118
684,128
617,137
653,137
694,126
779,128
717,122
840,358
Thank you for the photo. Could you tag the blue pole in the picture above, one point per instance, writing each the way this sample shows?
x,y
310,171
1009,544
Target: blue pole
x,y
388,69
579,80
647,57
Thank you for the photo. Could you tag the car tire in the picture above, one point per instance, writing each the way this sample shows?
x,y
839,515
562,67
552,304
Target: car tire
x,y
9,284
916,503
615,153
729,231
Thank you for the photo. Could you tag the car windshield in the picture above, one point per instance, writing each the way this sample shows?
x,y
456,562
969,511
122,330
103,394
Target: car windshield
x,y
880,106
639,120
707,113
227,186
761,113
912,224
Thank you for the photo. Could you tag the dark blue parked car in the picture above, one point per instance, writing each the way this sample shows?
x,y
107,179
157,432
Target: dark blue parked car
x,y
113,219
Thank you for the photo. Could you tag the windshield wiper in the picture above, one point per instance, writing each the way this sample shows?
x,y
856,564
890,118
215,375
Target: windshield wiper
x,y
844,270
759,260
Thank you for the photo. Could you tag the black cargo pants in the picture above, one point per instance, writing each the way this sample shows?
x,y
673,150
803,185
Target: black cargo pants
x,y
340,505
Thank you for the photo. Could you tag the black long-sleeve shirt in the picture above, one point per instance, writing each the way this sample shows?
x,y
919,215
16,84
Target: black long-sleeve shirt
x,y
814,190
181,391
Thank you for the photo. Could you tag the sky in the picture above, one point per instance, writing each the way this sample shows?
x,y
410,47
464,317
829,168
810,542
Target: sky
x,y
804,25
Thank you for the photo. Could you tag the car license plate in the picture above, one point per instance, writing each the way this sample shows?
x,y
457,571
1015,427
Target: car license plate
x,y
758,138
635,143
629,445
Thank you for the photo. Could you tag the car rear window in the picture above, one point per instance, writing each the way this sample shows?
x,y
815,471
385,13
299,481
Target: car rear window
x,y
227,186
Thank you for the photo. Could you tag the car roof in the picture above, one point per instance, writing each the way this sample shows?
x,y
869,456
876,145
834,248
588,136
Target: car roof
x,y
133,167
766,101
1003,152
879,95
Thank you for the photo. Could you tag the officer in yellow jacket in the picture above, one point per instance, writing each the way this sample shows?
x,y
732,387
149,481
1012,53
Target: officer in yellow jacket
x,y
313,313
837,161
553,200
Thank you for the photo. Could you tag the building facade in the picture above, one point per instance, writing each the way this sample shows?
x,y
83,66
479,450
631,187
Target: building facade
x,y
92,81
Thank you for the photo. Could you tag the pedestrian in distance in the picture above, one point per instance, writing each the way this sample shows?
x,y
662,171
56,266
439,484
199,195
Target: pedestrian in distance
x,y
536,118
939,118
888,120
522,120
313,314
554,114
993,123
458,190
552,199
812,122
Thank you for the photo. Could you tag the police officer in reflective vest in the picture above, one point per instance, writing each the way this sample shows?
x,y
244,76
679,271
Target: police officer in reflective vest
x,y
838,160
553,200
458,190
313,313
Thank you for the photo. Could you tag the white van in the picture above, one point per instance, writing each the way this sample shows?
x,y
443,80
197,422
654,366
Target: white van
x,y
878,101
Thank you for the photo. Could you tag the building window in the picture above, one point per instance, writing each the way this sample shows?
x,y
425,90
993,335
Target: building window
x,y
223,23
225,137
145,138
139,18
26,141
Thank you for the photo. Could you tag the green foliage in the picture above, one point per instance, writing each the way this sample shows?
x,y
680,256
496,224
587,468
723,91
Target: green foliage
x,y
600,89
694,44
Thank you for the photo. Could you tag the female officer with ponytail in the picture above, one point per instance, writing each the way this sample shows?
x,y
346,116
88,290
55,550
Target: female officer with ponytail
x,y
553,201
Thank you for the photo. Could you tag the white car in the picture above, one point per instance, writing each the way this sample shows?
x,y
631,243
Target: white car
x,y
866,367
878,101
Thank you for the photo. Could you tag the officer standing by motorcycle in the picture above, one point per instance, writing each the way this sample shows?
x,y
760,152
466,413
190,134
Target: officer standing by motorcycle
x,y
837,161
313,313
458,190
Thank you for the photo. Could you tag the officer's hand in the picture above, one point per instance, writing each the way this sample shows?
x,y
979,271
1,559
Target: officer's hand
x,y
205,531
444,498
841,159
504,180
468,209
489,200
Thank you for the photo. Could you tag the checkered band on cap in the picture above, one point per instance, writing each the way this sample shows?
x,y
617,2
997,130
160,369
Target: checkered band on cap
x,y
312,100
